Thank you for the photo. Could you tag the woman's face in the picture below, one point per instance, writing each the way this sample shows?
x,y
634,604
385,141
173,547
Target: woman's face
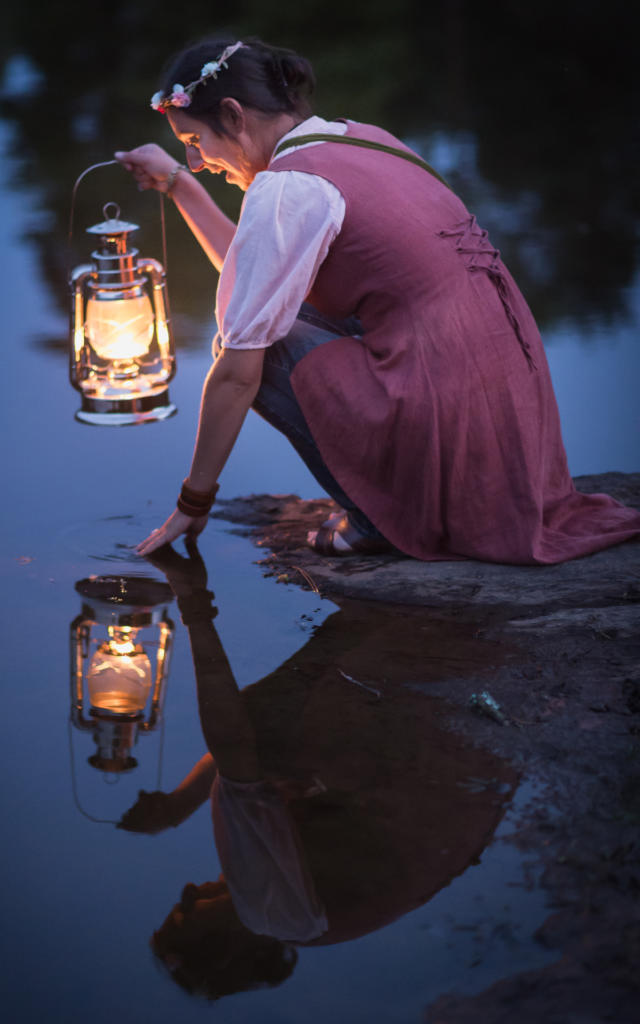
x,y
220,154
202,909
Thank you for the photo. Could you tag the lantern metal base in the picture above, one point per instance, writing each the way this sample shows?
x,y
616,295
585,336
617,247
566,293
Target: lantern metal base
x,y
122,412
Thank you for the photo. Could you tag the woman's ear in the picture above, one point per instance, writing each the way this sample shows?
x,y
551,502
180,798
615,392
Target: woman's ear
x,y
232,115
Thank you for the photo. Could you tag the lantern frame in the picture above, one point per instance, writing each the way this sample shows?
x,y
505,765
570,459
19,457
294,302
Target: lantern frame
x,y
119,603
120,390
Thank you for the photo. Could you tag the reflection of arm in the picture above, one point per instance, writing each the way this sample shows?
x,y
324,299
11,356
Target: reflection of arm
x,y
226,727
213,229
195,788
154,812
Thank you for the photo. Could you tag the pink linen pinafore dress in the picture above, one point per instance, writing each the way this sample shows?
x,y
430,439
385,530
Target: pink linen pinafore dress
x,y
440,422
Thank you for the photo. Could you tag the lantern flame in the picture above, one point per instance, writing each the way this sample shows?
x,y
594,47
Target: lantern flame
x,y
122,329
119,675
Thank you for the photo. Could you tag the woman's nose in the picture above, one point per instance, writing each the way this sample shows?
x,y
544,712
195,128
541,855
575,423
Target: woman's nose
x,y
194,160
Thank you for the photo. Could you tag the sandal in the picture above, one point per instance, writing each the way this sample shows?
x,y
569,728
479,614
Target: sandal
x,y
335,517
323,541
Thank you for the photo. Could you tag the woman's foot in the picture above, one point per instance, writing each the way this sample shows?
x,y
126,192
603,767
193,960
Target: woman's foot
x,y
340,537
335,517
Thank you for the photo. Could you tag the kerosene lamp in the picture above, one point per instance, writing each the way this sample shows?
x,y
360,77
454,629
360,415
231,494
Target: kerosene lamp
x,y
120,651
121,347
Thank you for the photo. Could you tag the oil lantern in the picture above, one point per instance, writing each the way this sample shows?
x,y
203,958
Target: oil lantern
x,y
121,358
120,651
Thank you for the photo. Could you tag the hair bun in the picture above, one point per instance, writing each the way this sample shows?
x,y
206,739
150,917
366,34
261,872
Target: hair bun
x,y
297,74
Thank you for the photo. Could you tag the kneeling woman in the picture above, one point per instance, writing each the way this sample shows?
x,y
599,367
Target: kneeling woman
x,y
363,312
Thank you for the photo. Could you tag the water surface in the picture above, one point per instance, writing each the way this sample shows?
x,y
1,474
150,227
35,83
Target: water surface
x,y
84,898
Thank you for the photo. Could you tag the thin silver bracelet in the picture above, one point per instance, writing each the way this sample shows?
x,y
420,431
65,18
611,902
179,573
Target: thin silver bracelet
x,y
171,180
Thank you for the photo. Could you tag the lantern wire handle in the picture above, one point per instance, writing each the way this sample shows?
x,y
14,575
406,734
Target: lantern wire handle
x,y
105,163
74,788
109,163
163,231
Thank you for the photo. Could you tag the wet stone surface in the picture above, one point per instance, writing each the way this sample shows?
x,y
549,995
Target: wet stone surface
x,y
557,652
280,524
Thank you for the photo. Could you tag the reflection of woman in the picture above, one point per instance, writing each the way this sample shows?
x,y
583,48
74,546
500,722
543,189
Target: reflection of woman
x,y
333,814
420,397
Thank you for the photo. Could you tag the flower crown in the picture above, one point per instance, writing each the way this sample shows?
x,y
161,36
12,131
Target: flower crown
x,y
181,94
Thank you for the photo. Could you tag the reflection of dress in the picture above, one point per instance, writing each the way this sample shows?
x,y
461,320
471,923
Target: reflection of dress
x,y
440,423
399,820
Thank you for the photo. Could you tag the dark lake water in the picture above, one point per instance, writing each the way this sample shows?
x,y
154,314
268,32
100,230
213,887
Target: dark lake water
x,y
82,899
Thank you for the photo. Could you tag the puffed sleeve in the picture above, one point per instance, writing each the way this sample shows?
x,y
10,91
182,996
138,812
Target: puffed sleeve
x,y
263,862
288,221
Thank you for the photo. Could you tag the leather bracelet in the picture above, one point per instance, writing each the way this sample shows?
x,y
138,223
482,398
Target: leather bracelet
x,y
171,180
195,511
197,607
198,497
196,503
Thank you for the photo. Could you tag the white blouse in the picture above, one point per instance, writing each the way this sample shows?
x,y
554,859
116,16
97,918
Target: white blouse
x,y
287,223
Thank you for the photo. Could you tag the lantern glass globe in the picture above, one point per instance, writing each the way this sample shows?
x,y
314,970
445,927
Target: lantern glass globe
x,y
120,329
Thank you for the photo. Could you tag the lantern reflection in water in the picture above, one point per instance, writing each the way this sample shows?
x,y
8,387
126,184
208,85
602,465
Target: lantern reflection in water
x,y
120,653
122,356
119,676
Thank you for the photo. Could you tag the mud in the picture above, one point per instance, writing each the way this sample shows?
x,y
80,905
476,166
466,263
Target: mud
x,y
558,650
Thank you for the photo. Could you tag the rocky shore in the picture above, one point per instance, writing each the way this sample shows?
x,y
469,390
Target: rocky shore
x,y
557,649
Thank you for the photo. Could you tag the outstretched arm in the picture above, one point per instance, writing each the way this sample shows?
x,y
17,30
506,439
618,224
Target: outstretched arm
x,y
152,167
229,390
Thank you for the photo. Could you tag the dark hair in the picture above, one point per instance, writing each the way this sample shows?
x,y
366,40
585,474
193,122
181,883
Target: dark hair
x,y
265,78
220,963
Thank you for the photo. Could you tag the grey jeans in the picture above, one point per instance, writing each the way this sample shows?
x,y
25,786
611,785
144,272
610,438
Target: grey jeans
x,y
277,403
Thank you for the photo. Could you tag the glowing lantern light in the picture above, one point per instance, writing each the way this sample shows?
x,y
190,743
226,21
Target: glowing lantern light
x,y
125,690
122,356
119,674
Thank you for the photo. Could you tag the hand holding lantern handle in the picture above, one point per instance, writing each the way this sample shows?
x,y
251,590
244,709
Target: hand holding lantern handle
x,y
152,813
151,166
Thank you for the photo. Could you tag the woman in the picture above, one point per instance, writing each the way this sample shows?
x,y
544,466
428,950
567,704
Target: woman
x,y
417,388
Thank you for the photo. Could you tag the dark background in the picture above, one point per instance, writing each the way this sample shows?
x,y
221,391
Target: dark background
x,y
541,101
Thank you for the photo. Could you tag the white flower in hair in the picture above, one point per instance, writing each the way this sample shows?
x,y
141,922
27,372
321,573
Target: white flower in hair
x,y
180,96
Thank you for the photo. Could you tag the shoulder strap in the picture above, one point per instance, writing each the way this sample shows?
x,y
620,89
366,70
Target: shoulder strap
x,y
301,140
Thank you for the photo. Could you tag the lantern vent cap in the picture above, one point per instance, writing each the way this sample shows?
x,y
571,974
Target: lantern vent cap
x,y
128,594
112,225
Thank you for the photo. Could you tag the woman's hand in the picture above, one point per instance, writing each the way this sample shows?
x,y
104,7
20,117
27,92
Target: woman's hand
x,y
150,166
176,524
185,576
151,813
